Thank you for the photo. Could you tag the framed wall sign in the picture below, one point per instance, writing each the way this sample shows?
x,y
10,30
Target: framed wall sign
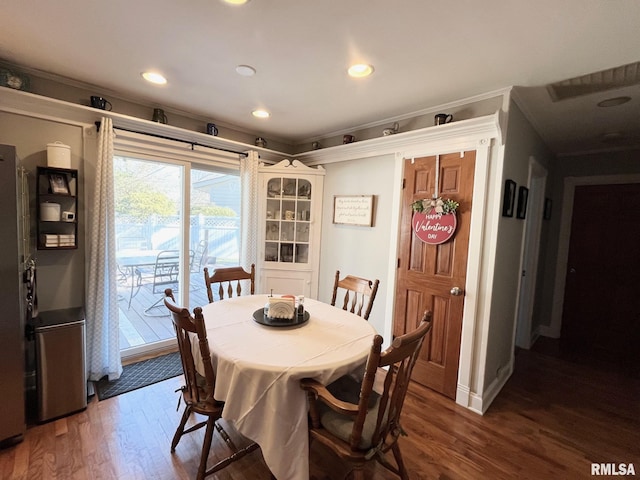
x,y
508,198
523,194
353,210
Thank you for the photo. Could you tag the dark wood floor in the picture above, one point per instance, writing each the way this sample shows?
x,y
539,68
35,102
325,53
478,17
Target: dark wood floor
x,y
551,421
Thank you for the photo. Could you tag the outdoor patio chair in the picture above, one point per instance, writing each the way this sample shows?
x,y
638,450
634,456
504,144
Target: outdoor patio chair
x,y
163,274
199,257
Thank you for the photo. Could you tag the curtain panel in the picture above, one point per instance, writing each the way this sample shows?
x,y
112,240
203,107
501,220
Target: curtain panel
x,y
249,209
103,345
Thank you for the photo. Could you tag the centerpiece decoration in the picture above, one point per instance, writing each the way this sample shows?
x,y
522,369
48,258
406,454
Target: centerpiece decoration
x,y
282,308
282,311
434,220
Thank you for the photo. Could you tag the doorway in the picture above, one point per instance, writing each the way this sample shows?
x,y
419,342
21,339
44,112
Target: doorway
x,y
601,314
525,335
433,277
158,246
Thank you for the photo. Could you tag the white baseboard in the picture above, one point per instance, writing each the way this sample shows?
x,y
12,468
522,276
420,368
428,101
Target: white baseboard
x,y
534,336
480,403
546,331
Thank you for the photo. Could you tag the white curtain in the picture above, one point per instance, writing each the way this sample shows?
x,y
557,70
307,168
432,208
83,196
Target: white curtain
x,y
249,209
103,345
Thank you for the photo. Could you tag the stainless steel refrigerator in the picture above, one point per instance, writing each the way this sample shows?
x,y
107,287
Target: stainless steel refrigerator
x,y
14,248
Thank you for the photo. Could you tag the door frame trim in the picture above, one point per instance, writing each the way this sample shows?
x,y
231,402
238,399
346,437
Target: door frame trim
x,y
483,225
566,217
523,336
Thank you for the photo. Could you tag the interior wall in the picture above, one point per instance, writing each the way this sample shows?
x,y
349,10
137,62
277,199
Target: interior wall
x,y
356,250
522,142
365,251
60,274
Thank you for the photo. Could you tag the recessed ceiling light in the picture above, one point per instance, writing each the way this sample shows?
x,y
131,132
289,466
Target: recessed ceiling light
x,y
260,114
360,70
246,70
154,77
614,102
236,2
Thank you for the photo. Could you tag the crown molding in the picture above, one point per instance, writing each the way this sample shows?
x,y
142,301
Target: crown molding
x,y
502,92
60,111
139,101
448,137
452,136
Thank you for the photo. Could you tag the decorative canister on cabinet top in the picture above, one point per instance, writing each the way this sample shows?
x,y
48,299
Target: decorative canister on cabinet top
x,y
58,155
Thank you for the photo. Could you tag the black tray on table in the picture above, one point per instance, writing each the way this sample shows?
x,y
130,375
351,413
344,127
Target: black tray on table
x,y
259,317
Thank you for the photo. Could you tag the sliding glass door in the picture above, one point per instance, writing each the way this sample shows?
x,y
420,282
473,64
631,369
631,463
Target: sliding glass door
x,y
149,235
214,226
158,246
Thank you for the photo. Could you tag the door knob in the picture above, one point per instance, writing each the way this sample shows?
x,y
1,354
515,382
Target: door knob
x,y
456,291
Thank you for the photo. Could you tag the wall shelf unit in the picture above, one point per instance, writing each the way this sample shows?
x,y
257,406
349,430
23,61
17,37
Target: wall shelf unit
x,y
57,207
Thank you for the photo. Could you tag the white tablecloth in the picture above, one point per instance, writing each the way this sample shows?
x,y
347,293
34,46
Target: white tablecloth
x,y
258,369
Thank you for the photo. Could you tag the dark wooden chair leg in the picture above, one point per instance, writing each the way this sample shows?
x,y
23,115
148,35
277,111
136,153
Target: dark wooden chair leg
x,y
398,456
206,446
180,430
357,473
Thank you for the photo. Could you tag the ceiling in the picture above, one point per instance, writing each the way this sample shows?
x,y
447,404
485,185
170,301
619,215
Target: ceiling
x,y
425,53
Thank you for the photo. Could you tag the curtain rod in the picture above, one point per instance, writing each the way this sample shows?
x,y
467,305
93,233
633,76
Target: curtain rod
x,y
193,144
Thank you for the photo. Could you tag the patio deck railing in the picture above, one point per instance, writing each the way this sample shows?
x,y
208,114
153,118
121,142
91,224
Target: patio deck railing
x,y
222,238
221,234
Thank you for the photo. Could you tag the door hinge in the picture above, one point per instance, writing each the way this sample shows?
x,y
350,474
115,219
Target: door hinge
x,y
404,182
398,263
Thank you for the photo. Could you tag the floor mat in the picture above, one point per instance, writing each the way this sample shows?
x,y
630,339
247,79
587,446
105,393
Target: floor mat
x,y
140,374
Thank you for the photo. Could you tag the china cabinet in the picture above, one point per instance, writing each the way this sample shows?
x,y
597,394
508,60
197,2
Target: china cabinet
x,y
57,205
290,216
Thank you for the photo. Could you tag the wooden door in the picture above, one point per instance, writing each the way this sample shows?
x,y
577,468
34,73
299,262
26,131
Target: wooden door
x,y
601,316
428,273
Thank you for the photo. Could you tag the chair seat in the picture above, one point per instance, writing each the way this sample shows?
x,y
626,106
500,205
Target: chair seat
x,y
360,421
347,389
200,404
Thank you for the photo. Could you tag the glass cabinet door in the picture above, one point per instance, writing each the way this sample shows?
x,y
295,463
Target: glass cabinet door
x,y
288,220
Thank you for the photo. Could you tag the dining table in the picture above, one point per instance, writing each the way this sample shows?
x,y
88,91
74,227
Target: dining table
x,y
259,367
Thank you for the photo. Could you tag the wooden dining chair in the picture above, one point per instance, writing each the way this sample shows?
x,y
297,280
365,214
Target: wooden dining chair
x,y
197,391
359,294
361,423
229,279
